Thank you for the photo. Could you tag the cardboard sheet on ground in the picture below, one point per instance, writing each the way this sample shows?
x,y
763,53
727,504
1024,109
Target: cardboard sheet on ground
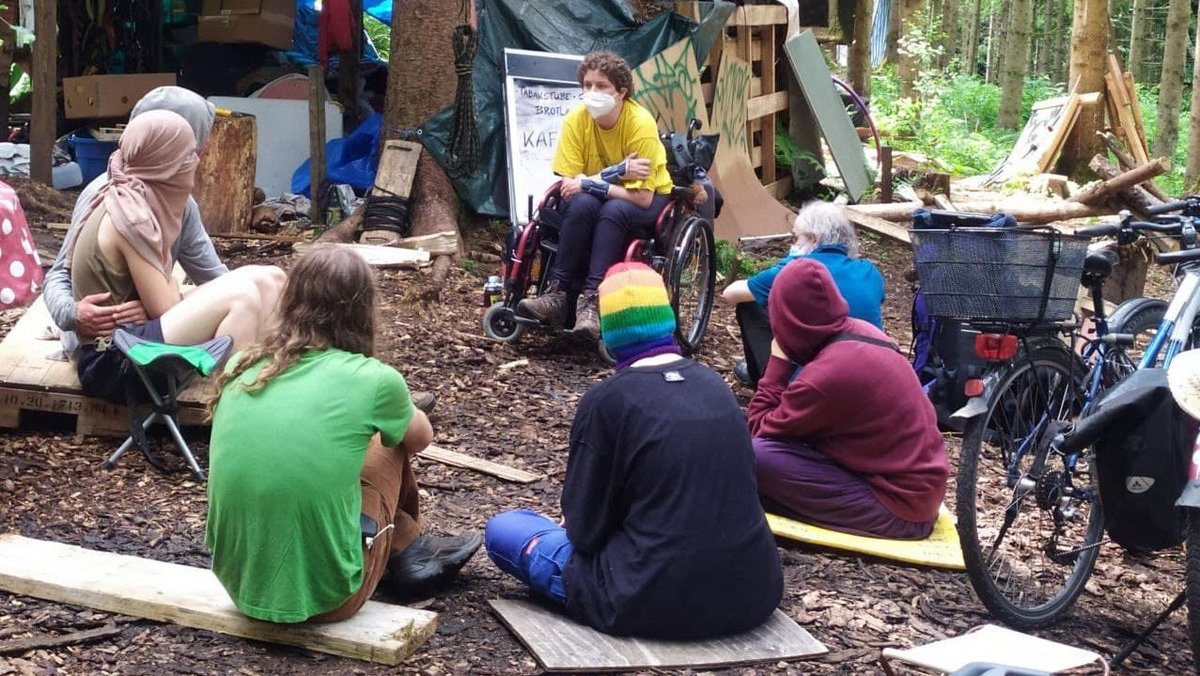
x,y
940,550
808,64
561,645
749,209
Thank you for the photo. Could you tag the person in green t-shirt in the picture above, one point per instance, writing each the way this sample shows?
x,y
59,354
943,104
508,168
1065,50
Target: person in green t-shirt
x,y
311,494
615,183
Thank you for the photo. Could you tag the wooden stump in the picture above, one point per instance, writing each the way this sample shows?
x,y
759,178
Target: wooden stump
x,y
225,176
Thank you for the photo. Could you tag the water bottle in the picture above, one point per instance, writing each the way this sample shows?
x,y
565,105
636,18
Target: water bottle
x,y
493,291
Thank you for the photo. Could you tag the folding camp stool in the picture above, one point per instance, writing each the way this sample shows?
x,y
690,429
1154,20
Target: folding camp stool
x,y
993,651
164,370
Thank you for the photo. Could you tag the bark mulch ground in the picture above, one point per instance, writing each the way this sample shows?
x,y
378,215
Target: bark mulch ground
x,y
51,487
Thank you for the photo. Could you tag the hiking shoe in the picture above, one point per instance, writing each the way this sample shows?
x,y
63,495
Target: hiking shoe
x,y
424,401
430,562
587,314
741,373
549,308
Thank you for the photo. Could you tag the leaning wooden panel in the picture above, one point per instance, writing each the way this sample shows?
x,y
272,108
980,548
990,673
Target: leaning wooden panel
x,y
193,597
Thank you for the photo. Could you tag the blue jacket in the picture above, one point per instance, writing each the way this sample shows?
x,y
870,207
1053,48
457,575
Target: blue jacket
x,y
858,279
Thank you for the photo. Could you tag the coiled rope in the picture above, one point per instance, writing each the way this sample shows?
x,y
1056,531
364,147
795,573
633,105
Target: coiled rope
x,y
463,148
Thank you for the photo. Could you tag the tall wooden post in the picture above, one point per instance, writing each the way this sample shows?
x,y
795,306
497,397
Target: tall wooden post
x,y
43,126
316,142
348,68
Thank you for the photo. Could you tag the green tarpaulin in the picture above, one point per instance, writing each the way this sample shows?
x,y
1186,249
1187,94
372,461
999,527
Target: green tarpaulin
x,y
565,26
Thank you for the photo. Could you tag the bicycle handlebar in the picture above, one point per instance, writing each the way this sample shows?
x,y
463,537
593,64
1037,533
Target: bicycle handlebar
x,y
1170,257
1167,207
1110,229
1102,230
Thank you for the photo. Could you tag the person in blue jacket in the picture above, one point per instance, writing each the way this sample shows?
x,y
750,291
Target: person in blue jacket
x,y
822,233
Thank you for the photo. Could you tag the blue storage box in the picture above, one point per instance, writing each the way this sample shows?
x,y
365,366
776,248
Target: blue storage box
x,y
92,155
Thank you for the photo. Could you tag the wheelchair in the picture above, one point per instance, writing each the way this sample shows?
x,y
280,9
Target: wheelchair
x,y
681,248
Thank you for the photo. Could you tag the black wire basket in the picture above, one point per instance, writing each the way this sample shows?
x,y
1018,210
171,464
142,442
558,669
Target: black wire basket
x,y
999,274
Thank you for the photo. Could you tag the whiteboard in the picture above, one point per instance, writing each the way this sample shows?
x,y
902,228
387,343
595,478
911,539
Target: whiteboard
x,y
540,88
282,131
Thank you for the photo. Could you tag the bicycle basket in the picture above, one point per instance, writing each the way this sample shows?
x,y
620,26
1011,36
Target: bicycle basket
x,y
1005,274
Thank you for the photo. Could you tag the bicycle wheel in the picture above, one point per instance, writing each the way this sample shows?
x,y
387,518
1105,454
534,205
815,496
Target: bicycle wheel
x,y
691,281
1140,317
1029,525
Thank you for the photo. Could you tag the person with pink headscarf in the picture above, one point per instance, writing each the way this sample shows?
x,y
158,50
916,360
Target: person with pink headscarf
x,y
124,248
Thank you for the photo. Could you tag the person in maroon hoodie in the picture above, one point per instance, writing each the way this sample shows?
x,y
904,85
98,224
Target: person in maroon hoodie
x,y
844,437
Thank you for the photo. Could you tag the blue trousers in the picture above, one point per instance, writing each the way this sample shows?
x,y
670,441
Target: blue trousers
x,y
531,548
594,236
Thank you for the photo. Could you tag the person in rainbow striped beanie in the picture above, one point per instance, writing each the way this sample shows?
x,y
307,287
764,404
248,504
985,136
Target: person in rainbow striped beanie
x,y
659,499
636,319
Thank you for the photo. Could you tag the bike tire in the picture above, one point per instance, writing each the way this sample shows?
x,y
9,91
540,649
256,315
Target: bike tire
x,y
1140,317
1193,585
691,281
1046,378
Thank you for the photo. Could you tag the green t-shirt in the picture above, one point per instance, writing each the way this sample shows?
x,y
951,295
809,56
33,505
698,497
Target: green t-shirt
x,y
283,491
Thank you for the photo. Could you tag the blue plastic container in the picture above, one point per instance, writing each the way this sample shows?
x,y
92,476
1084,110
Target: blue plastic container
x,y
92,155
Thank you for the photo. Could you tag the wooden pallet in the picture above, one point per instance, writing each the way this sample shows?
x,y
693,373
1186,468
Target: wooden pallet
x,y
34,377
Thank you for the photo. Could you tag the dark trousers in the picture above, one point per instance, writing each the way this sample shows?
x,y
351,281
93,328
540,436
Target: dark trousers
x,y
595,234
756,338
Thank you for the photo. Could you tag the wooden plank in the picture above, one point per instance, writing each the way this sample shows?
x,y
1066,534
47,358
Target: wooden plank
x,y
561,645
1136,106
767,139
445,243
879,225
1058,137
21,645
758,15
780,189
397,168
456,459
192,597
316,143
767,104
379,256
45,92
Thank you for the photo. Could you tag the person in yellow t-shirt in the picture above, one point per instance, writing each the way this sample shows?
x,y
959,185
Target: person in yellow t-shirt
x,y
615,183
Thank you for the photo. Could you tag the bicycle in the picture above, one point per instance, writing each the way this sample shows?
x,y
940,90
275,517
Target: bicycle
x,y
1029,515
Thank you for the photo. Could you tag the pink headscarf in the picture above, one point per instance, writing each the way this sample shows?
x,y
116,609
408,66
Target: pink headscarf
x,y
150,178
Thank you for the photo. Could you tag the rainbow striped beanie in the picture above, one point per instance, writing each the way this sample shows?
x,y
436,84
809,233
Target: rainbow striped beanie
x,y
636,319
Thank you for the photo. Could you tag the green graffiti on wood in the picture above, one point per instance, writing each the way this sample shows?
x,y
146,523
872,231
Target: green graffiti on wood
x,y
668,85
729,102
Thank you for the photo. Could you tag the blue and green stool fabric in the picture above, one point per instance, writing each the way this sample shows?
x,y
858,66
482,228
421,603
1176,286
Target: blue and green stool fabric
x,y
164,370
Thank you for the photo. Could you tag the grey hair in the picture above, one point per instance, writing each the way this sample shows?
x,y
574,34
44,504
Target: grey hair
x,y
825,223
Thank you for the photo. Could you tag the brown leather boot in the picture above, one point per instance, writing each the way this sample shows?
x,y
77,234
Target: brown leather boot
x,y
549,308
587,314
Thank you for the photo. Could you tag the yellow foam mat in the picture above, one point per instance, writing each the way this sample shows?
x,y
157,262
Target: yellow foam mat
x,y
940,550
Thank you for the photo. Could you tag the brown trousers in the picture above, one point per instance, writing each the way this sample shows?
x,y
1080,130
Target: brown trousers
x,y
389,496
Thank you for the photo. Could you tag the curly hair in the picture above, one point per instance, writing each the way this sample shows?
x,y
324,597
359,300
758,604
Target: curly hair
x,y
610,66
327,303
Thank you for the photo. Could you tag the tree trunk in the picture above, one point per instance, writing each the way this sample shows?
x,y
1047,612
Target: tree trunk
x,y
421,81
1139,39
1015,63
894,31
949,29
908,67
1192,168
1052,41
970,65
859,62
1089,46
1170,83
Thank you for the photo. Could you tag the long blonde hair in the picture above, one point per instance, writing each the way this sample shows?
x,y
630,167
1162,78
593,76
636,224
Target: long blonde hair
x,y
328,302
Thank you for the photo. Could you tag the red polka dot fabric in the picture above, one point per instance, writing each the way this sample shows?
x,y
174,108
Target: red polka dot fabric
x,y
20,269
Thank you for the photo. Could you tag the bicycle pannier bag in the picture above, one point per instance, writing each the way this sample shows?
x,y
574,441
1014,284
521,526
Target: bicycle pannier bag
x,y
1143,442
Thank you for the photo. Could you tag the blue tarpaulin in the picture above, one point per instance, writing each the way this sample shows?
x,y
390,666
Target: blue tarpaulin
x,y
304,36
380,9
352,159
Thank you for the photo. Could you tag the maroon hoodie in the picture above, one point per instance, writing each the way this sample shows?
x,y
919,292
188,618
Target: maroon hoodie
x,y
856,402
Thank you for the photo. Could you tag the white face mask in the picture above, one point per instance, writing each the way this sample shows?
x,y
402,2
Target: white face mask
x,y
599,104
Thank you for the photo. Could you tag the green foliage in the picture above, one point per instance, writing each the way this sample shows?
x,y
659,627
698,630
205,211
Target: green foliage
x,y
806,168
380,34
728,256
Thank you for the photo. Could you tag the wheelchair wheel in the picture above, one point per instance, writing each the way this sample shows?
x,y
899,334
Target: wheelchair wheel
x,y
500,324
691,277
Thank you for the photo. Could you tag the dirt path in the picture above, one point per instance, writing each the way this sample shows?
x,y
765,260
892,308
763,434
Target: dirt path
x,y
51,487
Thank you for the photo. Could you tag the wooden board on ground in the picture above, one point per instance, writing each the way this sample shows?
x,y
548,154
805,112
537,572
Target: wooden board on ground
x,y
940,550
562,645
749,209
224,189
887,228
456,459
443,243
379,256
193,597
808,65
990,644
34,376
394,178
